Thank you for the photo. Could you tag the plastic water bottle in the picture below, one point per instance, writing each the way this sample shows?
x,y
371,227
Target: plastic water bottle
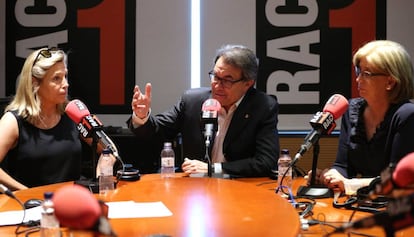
x,y
167,161
49,224
283,165
106,179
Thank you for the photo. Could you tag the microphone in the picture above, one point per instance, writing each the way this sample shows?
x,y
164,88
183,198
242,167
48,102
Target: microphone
x,y
399,215
209,116
89,125
403,175
323,123
394,178
77,208
7,191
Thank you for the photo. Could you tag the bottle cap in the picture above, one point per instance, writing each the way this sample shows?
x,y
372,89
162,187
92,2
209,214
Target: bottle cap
x,y
167,144
48,195
106,151
284,152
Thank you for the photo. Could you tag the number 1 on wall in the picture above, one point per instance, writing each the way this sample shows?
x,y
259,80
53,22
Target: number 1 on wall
x,y
109,17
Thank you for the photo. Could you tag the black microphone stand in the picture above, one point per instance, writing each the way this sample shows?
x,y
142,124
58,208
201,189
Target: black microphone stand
x,y
209,140
207,158
316,149
94,154
314,190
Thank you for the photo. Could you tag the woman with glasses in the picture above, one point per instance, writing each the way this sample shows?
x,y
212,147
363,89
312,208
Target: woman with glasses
x,y
40,141
246,143
378,128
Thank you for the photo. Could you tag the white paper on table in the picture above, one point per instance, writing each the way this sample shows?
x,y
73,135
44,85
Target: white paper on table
x,y
131,209
123,209
15,217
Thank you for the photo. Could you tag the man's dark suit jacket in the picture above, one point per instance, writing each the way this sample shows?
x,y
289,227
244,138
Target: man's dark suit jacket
x,y
251,145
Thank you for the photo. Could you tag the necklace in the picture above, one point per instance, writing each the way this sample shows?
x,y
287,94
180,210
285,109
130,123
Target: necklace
x,y
48,121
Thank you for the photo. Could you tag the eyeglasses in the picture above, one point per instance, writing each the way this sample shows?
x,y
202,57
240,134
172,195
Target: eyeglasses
x,y
367,74
46,53
225,82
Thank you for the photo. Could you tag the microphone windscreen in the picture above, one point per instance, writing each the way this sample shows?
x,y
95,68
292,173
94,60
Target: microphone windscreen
x,y
403,175
76,110
211,105
76,207
336,105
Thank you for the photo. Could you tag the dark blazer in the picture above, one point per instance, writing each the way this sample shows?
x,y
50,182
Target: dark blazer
x,y
251,145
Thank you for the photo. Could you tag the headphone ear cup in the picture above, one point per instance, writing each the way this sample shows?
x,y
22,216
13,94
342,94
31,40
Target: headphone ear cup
x,y
363,196
128,173
372,186
347,204
362,193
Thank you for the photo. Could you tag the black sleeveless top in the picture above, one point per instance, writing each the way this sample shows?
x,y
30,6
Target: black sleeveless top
x,y
45,156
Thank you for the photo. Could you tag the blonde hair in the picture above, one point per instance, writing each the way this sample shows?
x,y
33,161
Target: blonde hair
x,y
26,102
390,57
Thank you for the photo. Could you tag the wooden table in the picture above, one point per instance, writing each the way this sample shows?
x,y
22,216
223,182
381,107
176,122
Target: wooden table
x,y
324,211
200,207
247,207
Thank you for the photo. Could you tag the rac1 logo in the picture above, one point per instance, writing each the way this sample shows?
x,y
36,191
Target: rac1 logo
x,y
82,130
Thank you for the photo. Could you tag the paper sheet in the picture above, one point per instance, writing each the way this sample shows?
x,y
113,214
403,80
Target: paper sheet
x,y
123,209
131,209
15,217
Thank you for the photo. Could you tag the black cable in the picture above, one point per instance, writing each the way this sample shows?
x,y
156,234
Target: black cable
x,y
352,215
349,204
350,233
24,209
299,171
322,223
355,203
27,231
304,209
304,206
34,225
119,174
290,167
332,225
264,183
9,193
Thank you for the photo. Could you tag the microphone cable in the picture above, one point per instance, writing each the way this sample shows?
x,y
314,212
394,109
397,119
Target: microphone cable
x,y
119,174
207,158
304,206
115,152
118,158
34,226
9,193
282,188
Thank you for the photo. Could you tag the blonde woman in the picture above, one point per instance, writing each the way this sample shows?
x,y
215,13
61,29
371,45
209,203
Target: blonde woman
x,y
378,127
40,141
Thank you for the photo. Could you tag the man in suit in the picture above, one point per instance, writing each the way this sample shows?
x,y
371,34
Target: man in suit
x,y
246,143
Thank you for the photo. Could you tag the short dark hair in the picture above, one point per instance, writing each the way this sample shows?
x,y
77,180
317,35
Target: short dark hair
x,y
241,57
